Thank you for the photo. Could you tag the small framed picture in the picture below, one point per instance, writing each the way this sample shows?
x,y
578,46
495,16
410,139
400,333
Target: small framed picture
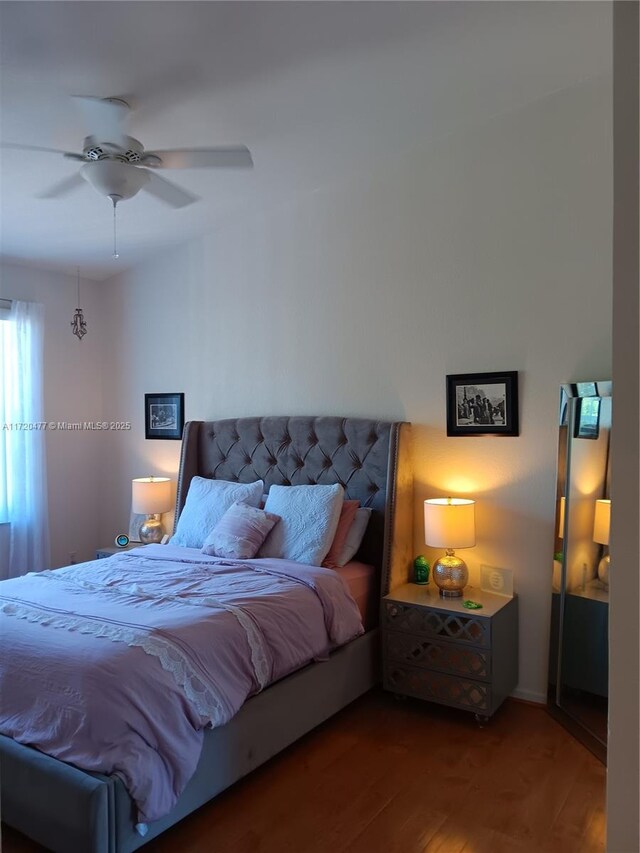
x,y
587,422
482,404
163,415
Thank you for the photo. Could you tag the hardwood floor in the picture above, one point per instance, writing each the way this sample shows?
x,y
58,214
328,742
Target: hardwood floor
x,y
388,776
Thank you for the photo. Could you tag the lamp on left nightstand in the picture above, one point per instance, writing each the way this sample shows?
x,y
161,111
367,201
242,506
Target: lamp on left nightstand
x,y
151,496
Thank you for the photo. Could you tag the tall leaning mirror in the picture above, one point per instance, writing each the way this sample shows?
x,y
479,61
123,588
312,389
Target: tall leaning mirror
x,y
579,648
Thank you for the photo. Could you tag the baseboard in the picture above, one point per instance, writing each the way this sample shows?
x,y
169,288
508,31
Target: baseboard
x,y
529,696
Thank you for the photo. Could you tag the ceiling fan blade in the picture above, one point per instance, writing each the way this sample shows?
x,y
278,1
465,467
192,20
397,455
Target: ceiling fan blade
x,y
168,192
71,155
200,158
104,117
66,185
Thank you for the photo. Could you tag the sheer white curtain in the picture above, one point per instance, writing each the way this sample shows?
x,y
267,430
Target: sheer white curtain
x,y
23,479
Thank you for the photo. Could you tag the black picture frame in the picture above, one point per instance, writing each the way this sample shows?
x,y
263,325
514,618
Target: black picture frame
x,y
483,404
163,416
587,420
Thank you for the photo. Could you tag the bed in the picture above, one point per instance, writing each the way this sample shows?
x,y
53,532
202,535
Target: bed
x,y
68,809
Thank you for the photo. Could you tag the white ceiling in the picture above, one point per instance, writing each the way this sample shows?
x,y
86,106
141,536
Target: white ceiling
x,y
316,90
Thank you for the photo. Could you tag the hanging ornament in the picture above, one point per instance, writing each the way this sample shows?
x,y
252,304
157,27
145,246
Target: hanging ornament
x,y
79,324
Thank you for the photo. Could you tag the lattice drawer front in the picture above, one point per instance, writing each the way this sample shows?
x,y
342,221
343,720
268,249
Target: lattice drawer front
x,y
450,657
437,687
437,623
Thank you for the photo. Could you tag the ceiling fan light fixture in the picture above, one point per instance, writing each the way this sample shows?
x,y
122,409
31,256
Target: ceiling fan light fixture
x,y
151,160
114,178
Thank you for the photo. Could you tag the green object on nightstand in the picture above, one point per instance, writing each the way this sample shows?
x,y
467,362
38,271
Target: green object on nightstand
x,y
471,605
421,569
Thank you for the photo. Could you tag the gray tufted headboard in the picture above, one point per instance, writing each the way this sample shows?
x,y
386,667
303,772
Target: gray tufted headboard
x,y
369,458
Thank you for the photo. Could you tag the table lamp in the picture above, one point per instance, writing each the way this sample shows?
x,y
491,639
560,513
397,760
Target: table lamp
x,y
450,523
601,524
151,496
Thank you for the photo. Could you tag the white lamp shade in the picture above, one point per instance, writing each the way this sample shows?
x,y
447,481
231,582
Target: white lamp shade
x,y
449,523
601,522
151,495
561,521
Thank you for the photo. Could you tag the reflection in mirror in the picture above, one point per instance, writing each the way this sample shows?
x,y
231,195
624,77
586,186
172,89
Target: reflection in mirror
x,y
578,663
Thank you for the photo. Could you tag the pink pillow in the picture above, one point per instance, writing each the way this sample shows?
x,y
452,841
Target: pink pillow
x,y
347,515
240,532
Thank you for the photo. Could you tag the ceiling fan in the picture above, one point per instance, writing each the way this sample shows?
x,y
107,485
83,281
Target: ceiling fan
x,y
118,166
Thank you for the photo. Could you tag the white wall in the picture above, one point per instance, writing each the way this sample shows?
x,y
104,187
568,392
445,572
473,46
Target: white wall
x,y
490,250
72,394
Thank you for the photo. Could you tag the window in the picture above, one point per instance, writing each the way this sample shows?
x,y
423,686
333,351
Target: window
x,y
23,490
7,361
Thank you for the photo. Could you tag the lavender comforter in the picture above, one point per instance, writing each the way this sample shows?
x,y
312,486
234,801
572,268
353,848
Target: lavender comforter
x,y
118,665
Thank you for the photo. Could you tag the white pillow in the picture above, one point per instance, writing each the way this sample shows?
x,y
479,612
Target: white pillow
x,y
354,536
207,501
309,517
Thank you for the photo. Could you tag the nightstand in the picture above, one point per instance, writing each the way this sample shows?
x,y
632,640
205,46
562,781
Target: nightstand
x,y
436,649
110,550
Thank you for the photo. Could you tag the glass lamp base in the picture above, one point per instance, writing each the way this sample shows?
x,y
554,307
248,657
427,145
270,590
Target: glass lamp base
x,y
603,569
450,575
151,530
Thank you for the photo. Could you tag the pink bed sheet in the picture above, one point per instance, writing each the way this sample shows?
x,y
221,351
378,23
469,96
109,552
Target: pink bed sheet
x,y
363,583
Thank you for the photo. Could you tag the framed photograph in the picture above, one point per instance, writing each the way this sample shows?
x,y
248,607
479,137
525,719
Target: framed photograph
x,y
482,404
587,423
163,415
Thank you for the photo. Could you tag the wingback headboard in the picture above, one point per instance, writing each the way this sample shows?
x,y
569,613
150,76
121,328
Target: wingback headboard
x,y
370,458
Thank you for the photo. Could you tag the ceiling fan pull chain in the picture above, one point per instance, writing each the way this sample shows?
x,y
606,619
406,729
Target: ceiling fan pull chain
x,y
115,244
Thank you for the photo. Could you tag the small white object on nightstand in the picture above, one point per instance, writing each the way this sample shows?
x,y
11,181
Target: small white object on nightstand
x,y
498,581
